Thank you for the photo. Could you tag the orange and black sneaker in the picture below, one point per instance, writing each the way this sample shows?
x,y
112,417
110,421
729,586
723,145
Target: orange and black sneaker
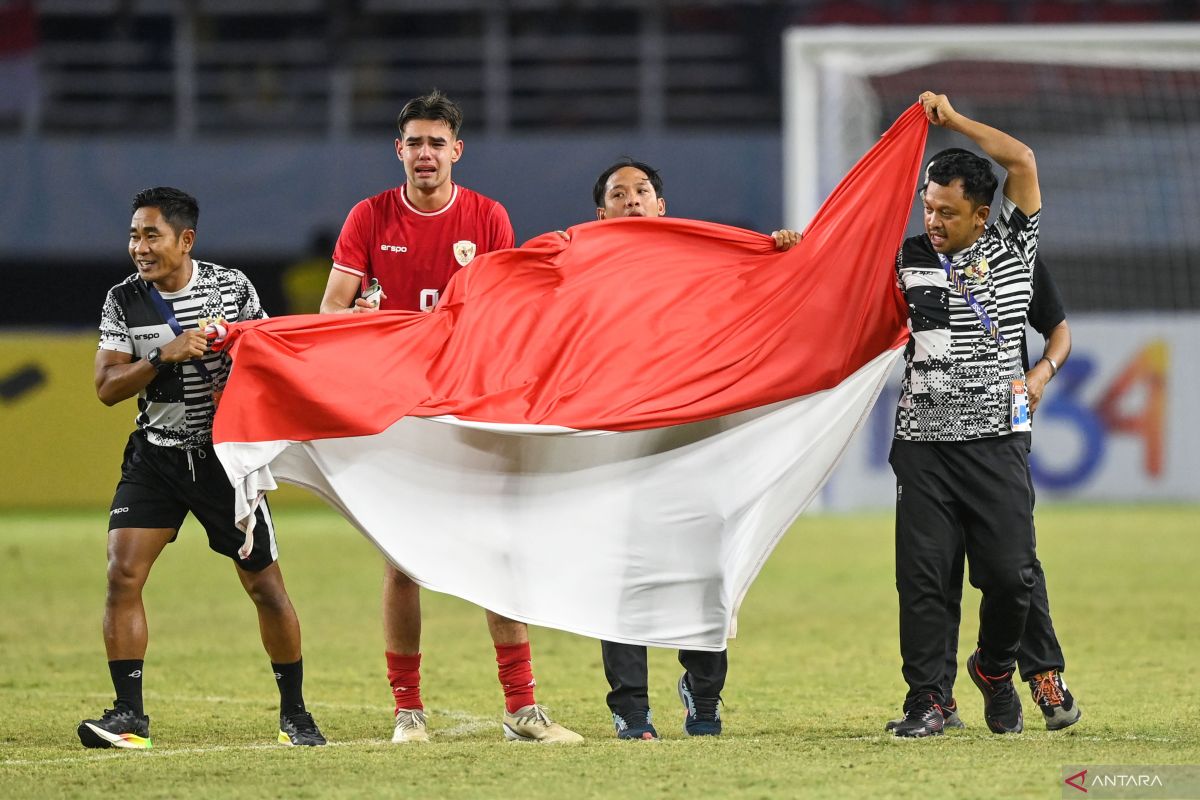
x,y
1001,704
1053,697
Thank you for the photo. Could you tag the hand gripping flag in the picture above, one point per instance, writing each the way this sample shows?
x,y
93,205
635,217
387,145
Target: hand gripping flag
x,y
605,433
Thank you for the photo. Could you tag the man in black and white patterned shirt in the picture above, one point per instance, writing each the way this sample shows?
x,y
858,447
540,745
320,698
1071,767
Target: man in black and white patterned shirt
x,y
962,423
153,346
1041,660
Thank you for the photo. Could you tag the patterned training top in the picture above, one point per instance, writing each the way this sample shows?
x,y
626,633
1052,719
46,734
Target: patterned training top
x,y
957,377
176,409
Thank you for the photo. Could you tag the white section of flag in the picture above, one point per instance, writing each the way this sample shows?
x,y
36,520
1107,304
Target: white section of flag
x,y
649,537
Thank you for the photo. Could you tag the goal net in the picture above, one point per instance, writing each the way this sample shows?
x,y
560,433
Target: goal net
x,y
1112,113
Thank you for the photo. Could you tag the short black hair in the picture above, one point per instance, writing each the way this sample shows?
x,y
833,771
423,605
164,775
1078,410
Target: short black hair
x,y
979,180
434,106
949,151
651,173
179,209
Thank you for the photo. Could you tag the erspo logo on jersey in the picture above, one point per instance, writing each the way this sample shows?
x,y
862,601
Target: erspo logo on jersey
x,y
393,248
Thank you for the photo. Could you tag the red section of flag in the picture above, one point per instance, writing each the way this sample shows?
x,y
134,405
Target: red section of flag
x,y
635,323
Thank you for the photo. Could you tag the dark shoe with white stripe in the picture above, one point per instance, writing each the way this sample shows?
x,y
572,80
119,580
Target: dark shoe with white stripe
x,y
703,716
635,725
923,718
950,718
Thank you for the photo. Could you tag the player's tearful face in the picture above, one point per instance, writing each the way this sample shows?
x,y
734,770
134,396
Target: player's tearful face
x,y
156,249
629,193
427,149
952,221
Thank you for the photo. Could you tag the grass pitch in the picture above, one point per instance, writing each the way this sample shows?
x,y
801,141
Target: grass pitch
x,y
814,674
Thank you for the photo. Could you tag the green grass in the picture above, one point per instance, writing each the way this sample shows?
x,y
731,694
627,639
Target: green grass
x,y
814,674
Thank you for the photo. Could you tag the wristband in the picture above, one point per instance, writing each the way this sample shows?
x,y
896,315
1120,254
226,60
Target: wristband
x,y
1053,365
155,358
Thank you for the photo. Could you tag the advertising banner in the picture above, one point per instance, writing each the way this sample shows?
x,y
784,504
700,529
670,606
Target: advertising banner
x,y
1117,424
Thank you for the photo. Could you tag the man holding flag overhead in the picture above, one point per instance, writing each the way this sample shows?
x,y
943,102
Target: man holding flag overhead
x,y
962,424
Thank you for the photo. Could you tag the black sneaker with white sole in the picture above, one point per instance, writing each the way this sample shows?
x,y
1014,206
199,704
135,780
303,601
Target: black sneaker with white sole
x,y
118,727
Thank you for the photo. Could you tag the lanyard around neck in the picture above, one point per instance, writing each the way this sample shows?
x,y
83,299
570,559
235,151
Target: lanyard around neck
x,y
960,285
168,315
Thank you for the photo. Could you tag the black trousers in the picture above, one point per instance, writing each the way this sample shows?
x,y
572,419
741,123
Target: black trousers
x,y
627,673
1040,650
972,496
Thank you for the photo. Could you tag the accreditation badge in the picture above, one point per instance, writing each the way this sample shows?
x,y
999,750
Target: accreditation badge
x,y
464,251
1020,407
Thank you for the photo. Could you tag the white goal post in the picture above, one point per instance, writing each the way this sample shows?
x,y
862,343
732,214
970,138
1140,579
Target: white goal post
x,y
1112,113
831,115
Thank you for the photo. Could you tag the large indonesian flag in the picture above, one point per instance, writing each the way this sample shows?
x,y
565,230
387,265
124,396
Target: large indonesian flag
x,y
606,435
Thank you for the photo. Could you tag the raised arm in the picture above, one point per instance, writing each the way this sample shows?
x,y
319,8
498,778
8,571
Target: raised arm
x,y
1021,185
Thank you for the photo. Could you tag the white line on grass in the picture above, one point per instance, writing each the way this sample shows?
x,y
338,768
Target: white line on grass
x,y
1129,737
174,751
466,724
171,697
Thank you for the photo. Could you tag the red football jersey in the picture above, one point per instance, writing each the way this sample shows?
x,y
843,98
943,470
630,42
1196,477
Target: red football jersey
x,y
413,253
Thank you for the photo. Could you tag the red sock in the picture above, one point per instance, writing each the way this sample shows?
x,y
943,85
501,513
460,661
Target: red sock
x,y
404,674
516,675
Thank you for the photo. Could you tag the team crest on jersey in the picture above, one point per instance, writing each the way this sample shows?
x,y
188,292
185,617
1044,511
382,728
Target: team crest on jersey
x,y
977,272
464,251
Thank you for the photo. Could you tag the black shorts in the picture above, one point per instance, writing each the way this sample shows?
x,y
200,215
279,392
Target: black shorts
x,y
160,485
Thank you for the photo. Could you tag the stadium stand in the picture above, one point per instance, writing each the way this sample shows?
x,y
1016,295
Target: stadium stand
x,y
552,75
217,67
